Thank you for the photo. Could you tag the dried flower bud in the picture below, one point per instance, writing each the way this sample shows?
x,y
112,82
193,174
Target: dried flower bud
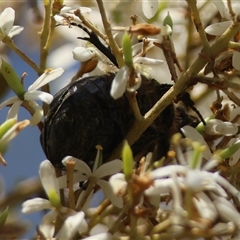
x,y
144,29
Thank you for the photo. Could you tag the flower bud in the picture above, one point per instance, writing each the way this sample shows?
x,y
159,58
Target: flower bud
x,y
127,50
128,162
12,79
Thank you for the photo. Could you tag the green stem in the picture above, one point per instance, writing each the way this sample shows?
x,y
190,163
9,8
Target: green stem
x,y
44,35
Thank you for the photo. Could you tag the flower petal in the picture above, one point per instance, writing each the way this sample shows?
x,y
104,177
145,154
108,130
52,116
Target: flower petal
x,y
227,128
47,226
101,236
82,54
108,192
7,18
80,165
9,101
222,8
13,111
226,210
109,168
205,206
15,31
38,95
48,177
62,181
72,225
149,8
193,134
119,83
218,29
45,78
236,60
167,170
118,183
161,186
38,114
147,61
35,205
99,228
87,201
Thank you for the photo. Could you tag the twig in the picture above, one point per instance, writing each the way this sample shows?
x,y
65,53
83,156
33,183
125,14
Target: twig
x,y
22,191
134,105
140,126
112,42
8,41
198,23
44,35
89,25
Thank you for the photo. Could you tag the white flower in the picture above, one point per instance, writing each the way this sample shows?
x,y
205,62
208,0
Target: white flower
x,y
218,29
173,179
84,173
74,222
149,8
7,18
141,67
50,184
32,94
218,127
69,12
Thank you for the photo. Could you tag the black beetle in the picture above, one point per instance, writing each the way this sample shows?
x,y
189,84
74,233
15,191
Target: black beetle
x,y
83,115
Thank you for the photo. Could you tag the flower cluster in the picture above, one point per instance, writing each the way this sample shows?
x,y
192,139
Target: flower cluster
x,y
183,183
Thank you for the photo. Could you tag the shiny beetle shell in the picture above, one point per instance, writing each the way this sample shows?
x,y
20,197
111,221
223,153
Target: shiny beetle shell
x,y
83,115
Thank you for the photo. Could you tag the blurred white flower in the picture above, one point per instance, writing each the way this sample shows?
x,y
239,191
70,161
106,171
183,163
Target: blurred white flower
x,y
9,130
84,173
149,8
31,95
193,134
7,18
82,54
67,11
218,127
173,179
218,29
74,223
